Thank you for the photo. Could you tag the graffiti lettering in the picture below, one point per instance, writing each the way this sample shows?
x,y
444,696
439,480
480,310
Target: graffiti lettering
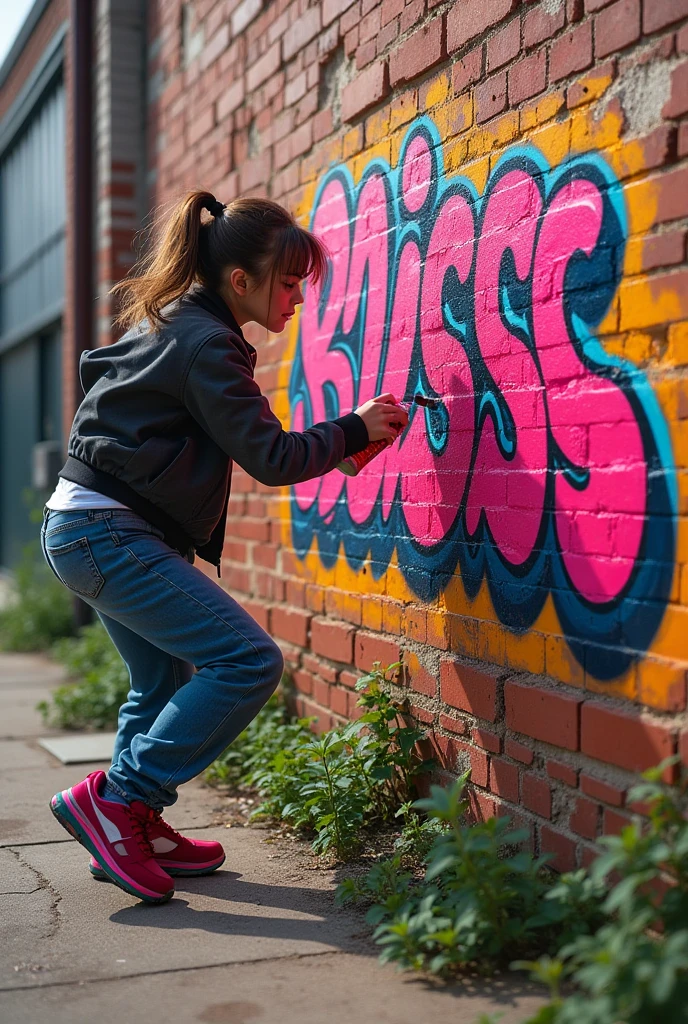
x,y
546,467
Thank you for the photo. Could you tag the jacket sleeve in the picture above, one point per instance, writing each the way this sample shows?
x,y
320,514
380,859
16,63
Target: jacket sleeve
x,y
220,393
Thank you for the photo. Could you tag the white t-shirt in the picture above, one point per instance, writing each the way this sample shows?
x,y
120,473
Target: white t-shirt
x,y
68,496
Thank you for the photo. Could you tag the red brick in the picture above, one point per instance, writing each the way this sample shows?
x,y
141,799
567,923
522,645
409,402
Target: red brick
x,y
571,52
349,679
563,848
527,77
658,13
371,647
468,689
583,821
253,529
481,806
301,32
420,679
339,701
386,36
486,739
334,640
578,92
617,27
504,45
455,725
332,9
366,90
490,97
664,250
303,681
291,624
518,751
562,772
321,692
613,822
504,779
467,70
588,854
351,41
536,795
365,54
623,739
543,714
423,715
471,18
539,24
599,790
677,103
296,593
412,13
264,68
683,747
418,53
682,40
320,668
265,555
390,9
260,612
201,125
370,25
479,763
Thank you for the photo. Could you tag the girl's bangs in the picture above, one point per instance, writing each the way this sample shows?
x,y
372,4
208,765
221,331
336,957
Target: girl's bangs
x,y
302,254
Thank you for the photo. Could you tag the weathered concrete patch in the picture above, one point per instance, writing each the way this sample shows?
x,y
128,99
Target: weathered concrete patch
x,y
337,988
246,911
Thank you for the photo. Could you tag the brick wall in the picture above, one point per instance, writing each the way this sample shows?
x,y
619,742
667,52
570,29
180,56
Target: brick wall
x,y
53,17
119,148
507,184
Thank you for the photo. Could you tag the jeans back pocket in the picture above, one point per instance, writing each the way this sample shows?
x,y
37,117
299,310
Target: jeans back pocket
x,y
74,565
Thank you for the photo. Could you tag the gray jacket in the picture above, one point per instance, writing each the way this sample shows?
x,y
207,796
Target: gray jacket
x,y
167,412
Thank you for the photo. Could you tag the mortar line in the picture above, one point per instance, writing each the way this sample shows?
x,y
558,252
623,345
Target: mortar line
x,y
177,970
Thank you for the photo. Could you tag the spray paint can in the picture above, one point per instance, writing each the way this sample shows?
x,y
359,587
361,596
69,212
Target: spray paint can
x,y
353,464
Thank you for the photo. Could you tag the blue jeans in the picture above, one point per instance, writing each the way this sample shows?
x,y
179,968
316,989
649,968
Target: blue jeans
x,y
166,618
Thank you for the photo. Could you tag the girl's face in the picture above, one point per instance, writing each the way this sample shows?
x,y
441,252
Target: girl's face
x,y
249,301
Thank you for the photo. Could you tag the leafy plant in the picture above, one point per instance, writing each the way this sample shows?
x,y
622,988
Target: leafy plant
x,y
39,609
634,968
480,900
339,783
101,682
268,735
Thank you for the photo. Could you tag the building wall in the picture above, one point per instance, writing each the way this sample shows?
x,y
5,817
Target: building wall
x,y
119,148
54,15
504,190
32,240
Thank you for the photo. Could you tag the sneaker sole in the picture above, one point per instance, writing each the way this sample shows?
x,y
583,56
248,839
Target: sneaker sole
x,y
69,819
101,876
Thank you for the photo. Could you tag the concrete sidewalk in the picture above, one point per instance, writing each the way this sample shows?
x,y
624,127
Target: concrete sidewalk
x,y
260,940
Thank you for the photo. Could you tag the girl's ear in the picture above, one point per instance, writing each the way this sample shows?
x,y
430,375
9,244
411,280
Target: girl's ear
x,y
238,280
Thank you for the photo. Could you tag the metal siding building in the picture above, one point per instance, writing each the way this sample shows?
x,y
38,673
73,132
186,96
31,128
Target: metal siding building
x,y
32,289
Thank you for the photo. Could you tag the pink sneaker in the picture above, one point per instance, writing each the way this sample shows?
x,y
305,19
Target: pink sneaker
x,y
176,854
117,835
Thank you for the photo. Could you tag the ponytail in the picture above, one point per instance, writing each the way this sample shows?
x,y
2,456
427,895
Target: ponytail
x,y
256,234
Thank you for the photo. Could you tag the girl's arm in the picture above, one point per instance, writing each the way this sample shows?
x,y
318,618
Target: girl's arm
x,y
222,396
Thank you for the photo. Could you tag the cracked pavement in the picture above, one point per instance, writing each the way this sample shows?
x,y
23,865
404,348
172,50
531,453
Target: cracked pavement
x,y
260,940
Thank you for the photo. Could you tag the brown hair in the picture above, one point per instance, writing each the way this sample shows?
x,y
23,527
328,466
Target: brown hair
x,y
256,234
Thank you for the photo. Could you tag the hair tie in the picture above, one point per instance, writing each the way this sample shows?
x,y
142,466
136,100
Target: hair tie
x,y
215,208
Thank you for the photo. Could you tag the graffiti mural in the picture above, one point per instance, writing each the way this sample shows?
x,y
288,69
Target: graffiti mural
x,y
546,468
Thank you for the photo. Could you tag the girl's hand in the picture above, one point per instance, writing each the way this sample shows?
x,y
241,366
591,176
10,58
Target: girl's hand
x,y
384,419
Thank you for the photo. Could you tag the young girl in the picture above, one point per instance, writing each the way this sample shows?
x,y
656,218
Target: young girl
x,y
167,410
